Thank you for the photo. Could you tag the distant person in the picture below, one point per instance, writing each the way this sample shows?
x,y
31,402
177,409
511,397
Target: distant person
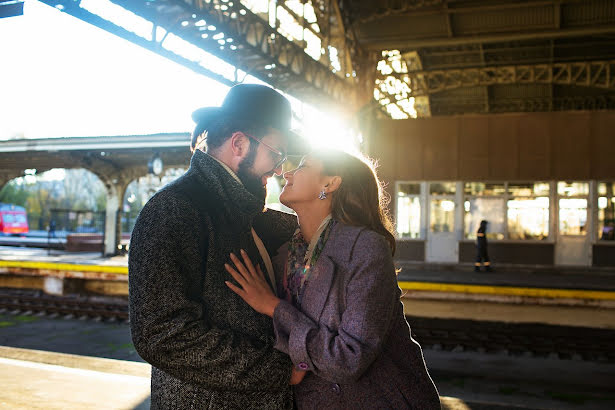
x,y
338,312
482,256
52,229
208,349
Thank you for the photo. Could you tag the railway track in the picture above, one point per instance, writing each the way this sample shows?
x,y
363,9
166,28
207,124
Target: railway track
x,y
514,339
81,307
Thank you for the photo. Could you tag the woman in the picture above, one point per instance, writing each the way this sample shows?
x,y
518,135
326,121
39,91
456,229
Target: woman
x,y
340,318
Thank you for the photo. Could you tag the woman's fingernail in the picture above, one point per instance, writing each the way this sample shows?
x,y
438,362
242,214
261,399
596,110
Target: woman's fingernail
x,y
243,252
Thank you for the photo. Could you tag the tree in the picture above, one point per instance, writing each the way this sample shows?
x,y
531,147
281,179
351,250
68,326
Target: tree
x,y
14,192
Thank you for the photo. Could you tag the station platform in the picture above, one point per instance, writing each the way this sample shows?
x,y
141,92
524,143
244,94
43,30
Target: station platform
x,y
572,296
36,379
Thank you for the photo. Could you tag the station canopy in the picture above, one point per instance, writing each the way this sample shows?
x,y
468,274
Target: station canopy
x,y
402,58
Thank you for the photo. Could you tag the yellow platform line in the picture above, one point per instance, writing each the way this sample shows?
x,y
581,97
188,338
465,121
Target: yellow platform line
x,y
73,267
405,285
508,290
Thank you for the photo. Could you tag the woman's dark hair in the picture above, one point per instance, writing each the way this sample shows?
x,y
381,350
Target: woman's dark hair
x,y
218,131
360,199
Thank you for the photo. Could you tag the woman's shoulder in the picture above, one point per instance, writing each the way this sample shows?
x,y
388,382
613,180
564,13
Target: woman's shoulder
x,y
355,241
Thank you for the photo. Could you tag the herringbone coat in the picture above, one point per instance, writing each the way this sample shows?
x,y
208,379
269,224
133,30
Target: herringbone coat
x,y
350,331
207,347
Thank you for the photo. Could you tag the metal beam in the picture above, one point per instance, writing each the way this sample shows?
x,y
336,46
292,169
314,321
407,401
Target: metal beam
x,y
597,74
253,45
404,43
256,47
456,105
434,7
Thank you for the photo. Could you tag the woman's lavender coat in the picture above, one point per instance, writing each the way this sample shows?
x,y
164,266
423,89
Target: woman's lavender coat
x,y
351,333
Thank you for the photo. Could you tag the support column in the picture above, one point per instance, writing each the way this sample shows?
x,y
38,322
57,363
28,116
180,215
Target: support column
x,y
113,216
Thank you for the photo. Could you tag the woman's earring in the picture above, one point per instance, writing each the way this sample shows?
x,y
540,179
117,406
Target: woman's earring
x,y
322,195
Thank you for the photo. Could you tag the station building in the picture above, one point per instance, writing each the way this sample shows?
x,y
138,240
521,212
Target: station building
x,y
544,181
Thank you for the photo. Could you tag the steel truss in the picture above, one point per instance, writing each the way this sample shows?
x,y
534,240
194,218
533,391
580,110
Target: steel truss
x,y
250,44
598,74
451,106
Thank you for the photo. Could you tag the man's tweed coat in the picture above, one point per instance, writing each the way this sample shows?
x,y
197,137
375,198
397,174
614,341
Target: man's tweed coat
x,y
350,330
207,347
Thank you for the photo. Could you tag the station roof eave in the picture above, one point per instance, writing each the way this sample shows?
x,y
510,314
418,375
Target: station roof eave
x,y
112,157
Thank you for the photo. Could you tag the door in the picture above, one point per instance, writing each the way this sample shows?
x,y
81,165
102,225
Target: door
x,y
573,241
441,237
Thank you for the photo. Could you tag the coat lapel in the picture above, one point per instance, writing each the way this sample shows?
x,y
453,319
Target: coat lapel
x,y
318,286
337,251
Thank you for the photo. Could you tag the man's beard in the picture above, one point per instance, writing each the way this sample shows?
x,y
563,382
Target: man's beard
x,y
251,181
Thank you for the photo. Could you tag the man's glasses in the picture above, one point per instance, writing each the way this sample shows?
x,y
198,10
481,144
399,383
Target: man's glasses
x,y
280,154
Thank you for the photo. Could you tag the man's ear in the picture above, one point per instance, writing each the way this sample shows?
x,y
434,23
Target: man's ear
x,y
334,183
240,144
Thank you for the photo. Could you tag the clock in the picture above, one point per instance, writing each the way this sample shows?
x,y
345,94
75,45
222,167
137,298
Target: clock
x,y
155,165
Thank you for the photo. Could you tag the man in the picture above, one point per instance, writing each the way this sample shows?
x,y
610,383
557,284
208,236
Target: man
x,y
207,347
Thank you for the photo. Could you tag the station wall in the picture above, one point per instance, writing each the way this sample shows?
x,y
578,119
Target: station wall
x,y
525,146
556,151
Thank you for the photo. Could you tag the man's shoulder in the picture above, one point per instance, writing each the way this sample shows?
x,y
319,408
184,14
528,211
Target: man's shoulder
x,y
275,227
170,202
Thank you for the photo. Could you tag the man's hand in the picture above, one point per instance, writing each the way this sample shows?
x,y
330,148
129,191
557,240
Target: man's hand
x,y
296,376
254,288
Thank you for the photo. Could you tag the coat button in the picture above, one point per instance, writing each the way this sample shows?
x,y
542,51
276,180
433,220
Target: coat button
x,y
303,366
336,388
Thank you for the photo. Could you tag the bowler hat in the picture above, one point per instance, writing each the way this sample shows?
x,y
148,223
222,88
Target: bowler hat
x,y
257,104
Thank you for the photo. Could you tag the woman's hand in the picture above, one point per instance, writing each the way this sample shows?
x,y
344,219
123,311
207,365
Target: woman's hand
x,y
254,288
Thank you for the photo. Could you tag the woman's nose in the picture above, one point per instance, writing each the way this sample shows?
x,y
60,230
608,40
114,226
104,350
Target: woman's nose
x,y
287,175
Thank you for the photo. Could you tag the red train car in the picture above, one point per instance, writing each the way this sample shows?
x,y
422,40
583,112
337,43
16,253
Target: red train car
x,y
13,220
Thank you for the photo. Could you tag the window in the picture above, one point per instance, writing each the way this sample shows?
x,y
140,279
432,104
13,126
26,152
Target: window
x,y
528,210
408,211
484,201
606,211
490,209
572,202
8,218
442,216
442,188
569,189
572,216
528,189
480,188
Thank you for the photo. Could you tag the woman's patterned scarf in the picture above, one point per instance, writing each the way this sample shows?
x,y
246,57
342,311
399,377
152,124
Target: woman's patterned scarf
x,y
298,269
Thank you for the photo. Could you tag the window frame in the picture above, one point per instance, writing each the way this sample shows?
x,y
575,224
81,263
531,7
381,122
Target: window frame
x,y
597,232
470,196
421,197
507,197
591,188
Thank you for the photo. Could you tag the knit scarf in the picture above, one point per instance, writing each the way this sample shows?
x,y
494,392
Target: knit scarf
x,y
301,261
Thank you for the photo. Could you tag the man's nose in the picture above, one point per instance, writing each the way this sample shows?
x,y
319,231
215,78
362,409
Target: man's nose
x,y
278,171
287,175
